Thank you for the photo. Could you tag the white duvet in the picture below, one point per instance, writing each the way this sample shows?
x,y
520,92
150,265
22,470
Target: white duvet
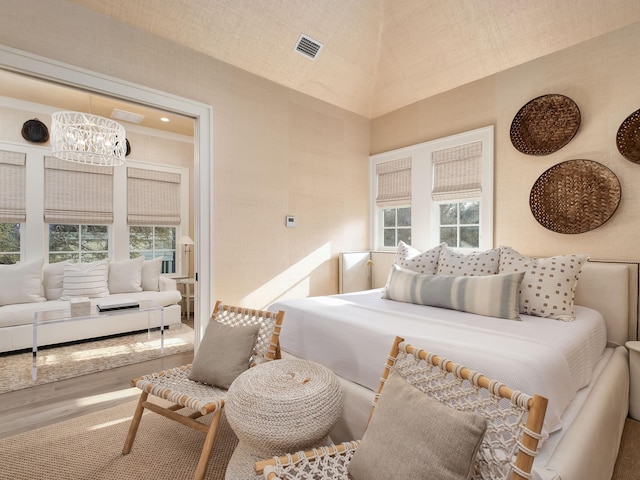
x,y
353,333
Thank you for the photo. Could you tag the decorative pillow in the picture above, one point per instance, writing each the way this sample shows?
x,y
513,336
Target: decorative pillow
x,y
21,283
151,270
425,262
412,435
126,276
52,278
549,284
479,263
489,295
224,353
85,280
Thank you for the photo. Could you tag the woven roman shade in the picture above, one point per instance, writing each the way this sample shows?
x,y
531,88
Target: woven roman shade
x,y
457,172
12,186
153,197
76,193
394,183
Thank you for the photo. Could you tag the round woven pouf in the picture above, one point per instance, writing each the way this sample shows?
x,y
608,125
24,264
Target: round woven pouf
x,y
280,407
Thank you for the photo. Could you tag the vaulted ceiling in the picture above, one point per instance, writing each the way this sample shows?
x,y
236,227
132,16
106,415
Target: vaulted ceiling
x,y
377,55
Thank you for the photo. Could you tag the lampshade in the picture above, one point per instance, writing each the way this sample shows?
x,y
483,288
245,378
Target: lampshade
x,y
185,240
89,139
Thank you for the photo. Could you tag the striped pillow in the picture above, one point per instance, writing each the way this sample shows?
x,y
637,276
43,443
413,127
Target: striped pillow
x,y
489,295
85,280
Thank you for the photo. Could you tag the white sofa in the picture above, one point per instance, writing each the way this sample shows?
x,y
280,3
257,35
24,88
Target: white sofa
x,y
29,287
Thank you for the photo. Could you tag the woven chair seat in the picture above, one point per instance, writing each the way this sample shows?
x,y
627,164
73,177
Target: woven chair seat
x,y
175,386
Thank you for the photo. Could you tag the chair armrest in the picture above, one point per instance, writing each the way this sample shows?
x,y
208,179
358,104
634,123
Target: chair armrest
x,y
167,283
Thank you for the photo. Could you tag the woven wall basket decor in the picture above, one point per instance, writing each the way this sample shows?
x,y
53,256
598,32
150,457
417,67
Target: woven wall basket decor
x,y
575,196
545,124
628,138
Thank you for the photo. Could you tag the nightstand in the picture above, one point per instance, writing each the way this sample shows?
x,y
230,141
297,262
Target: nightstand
x,y
187,293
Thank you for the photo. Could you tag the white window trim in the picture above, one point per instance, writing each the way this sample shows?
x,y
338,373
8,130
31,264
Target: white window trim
x,y
424,210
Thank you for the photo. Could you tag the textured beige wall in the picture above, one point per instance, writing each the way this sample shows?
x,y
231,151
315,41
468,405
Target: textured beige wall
x,y
602,77
276,152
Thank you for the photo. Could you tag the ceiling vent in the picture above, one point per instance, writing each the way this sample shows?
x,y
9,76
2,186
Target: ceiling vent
x,y
126,116
308,47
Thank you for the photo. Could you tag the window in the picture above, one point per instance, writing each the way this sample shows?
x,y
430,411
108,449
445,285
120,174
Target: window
x,y
153,242
460,224
445,188
79,243
396,225
9,243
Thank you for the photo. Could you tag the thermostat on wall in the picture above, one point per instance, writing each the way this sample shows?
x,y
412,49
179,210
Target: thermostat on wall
x,y
290,221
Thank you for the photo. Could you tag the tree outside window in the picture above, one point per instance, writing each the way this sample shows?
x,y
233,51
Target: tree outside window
x,y
153,242
9,243
78,243
396,226
460,224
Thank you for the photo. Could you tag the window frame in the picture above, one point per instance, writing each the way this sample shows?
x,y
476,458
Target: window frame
x,y
424,220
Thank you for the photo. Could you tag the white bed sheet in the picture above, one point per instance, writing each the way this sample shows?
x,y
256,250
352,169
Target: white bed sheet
x,y
352,334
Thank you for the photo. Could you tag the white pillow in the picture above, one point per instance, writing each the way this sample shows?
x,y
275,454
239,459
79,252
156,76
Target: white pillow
x,y
52,278
85,280
477,263
151,274
21,283
126,276
420,262
549,284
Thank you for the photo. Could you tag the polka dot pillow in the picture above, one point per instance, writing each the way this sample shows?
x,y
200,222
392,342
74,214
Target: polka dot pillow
x,y
480,263
416,261
549,284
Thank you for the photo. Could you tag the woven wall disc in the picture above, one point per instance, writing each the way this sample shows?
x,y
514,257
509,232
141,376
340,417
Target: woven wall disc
x,y
628,138
545,124
575,196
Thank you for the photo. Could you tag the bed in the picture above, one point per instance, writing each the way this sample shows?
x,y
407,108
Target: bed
x,y
581,366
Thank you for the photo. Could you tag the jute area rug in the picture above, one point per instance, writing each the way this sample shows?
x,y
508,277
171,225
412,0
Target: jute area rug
x,y
90,448
72,360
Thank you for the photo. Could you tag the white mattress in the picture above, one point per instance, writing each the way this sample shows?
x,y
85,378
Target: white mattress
x,y
353,333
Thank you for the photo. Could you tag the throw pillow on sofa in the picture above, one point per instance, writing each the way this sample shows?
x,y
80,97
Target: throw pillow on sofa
x,y
151,270
126,276
53,278
21,283
85,280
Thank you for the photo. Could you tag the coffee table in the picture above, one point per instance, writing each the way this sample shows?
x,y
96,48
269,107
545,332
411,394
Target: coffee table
x,y
47,317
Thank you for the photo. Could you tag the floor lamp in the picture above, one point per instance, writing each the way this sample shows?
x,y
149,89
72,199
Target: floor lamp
x,y
186,241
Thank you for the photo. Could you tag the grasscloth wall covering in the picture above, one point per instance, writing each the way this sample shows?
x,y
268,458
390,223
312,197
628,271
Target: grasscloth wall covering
x,y
276,152
601,77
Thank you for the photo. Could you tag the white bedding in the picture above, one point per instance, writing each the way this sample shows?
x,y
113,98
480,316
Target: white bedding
x,y
352,334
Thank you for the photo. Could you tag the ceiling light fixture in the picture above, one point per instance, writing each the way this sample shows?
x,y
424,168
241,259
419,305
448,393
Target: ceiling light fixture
x,y
89,139
164,119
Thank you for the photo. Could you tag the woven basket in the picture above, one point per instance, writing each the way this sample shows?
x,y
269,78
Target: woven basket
x,y
628,138
545,124
575,196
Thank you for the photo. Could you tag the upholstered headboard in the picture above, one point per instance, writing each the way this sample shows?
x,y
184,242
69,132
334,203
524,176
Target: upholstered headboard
x,y
609,287
612,289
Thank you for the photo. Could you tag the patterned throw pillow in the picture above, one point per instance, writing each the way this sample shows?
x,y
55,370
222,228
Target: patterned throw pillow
x,y
549,284
85,280
479,263
489,295
421,262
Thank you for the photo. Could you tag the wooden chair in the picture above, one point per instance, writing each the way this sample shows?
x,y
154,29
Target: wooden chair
x,y
514,421
175,386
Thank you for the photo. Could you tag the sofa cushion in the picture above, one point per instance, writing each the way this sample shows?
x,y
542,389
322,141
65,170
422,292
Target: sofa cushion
x,y
151,270
85,280
126,276
52,278
21,283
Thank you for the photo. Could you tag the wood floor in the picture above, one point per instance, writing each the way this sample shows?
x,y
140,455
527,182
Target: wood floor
x,y
34,407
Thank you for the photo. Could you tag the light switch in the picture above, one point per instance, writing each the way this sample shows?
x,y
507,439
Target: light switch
x,y
290,221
